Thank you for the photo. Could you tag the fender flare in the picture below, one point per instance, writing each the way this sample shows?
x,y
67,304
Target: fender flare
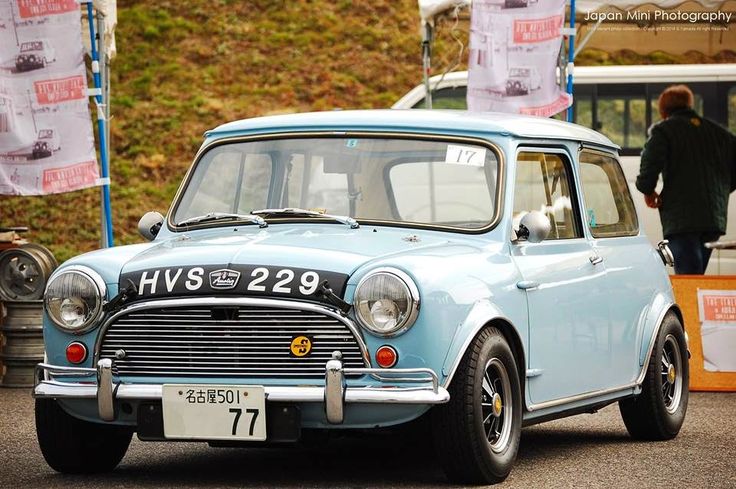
x,y
661,305
482,315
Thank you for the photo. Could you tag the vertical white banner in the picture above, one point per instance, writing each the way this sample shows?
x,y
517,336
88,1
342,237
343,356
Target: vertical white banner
x,y
46,139
514,48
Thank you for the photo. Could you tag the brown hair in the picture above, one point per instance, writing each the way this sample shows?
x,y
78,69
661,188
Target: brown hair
x,y
673,98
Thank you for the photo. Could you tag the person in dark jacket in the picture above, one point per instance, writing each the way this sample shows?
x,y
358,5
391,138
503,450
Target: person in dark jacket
x,y
697,160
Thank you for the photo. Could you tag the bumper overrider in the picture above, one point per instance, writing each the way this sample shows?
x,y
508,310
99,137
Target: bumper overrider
x,y
402,386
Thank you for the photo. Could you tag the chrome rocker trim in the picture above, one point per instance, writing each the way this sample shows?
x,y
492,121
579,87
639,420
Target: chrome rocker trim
x,y
335,393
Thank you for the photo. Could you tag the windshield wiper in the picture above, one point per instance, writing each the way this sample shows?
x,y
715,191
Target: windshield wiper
x,y
295,211
216,216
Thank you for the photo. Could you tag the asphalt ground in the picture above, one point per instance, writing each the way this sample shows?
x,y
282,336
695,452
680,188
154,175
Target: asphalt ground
x,y
582,451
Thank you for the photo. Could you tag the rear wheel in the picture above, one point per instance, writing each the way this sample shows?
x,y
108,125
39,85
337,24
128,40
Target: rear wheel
x,y
73,446
477,432
659,411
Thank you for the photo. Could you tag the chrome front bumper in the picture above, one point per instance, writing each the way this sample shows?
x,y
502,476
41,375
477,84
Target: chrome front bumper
x,y
335,393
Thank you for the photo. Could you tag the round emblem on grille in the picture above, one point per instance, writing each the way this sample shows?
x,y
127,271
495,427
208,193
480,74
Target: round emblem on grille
x,y
301,346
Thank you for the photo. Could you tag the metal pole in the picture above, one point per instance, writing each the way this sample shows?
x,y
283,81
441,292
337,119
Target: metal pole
x,y
571,56
105,170
104,73
427,63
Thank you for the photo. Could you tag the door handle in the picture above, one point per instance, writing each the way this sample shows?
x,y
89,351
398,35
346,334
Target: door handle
x,y
527,285
595,260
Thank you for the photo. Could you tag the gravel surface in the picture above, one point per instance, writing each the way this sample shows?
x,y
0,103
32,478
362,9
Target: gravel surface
x,y
582,451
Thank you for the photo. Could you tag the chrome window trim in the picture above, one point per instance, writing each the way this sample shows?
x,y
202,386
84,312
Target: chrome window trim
x,y
332,133
235,301
577,397
615,157
569,162
96,280
413,294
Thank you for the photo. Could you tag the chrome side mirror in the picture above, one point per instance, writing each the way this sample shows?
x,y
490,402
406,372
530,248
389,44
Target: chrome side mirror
x,y
534,227
665,253
150,224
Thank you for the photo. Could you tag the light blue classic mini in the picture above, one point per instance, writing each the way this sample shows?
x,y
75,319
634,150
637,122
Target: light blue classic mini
x,y
362,269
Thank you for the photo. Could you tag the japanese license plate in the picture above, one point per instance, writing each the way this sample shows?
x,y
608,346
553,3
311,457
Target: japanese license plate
x,y
214,412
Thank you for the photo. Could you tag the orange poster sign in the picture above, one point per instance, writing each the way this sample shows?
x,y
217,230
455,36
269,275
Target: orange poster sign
x,y
537,30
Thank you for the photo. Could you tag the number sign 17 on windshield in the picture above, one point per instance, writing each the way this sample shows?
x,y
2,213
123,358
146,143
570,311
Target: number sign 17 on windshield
x,y
465,155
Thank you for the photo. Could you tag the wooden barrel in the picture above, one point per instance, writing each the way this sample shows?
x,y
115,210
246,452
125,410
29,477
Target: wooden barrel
x,y
22,342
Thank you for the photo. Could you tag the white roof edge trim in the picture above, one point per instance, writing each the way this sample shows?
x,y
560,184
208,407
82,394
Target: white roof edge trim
x,y
601,74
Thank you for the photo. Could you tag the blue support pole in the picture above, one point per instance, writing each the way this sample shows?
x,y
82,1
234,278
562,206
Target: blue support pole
x,y
571,56
105,168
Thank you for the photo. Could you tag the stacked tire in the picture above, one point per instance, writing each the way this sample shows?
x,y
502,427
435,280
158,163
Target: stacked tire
x,y
24,272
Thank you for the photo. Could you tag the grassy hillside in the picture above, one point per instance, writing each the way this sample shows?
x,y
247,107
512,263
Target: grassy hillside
x,y
185,66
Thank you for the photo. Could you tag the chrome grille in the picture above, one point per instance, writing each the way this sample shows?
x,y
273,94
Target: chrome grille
x,y
226,341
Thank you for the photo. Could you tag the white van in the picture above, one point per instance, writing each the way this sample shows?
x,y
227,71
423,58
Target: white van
x,y
621,102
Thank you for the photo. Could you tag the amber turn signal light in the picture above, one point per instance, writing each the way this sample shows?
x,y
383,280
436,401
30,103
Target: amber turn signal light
x,y
386,356
76,352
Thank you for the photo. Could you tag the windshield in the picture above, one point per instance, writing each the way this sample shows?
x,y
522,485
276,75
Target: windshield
x,y
45,134
31,46
519,72
441,183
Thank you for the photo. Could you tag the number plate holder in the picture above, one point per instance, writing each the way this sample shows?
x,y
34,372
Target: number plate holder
x,y
214,412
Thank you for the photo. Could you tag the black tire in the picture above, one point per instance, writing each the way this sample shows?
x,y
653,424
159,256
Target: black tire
x,y
466,450
73,446
658,412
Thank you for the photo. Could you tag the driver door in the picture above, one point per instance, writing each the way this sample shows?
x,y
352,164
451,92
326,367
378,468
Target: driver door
x,y
563,280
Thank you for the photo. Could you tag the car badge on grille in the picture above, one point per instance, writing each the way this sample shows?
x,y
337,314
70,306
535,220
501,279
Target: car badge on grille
x,y
301,346
224,279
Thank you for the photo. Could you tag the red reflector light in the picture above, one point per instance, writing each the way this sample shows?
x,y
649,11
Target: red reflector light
x,y
76,352
386,356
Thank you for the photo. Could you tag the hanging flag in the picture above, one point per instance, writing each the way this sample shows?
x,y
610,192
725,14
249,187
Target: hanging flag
x,y
46,140
514,53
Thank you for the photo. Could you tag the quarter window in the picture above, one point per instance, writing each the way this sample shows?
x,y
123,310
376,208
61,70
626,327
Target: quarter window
x,y
609,209
543,184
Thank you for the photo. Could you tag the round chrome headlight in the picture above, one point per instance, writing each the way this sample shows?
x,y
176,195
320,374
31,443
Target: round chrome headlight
x,y
73,299
386,302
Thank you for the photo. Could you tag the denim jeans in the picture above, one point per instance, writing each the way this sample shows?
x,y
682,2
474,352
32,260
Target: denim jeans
x,y
691,256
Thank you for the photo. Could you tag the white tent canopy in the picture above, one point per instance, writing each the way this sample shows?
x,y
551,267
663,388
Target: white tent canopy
x,y
591,5
430,9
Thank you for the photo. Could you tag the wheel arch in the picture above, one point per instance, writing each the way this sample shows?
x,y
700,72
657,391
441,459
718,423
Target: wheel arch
x,y
470,330
661,306
517,348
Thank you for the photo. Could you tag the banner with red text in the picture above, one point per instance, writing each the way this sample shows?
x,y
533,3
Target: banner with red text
x,y
514,51
46,139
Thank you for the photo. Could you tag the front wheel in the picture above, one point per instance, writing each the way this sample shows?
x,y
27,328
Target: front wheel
x,y
73,446
659,411
477,432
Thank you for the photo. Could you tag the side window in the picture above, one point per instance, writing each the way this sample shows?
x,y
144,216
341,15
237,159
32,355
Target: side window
x,y
609,209
446,98
543,184
623,119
